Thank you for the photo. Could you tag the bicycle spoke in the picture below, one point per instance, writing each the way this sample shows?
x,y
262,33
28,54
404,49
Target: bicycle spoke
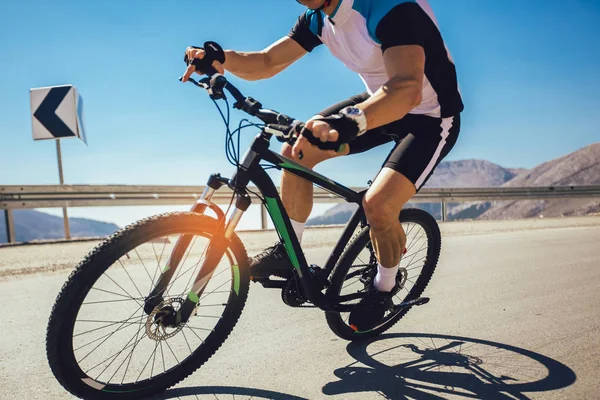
x,y
114,355
183,274
163,357
214,305
214,292
129,355
102,337
169,346
202,340
102,327
415,254
200,329
104,301
219,287
111,322
418,251
145,365
350,284
204,295
180,266
116,294
186,342
415,240
107,337
132,281
145,269
163,250
126,292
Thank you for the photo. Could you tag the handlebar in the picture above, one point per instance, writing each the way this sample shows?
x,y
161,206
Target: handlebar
x,y
285,128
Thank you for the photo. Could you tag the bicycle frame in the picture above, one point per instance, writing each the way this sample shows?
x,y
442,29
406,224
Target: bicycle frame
x,y
251,171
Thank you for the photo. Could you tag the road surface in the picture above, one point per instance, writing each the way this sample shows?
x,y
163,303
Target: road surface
x,y
514,314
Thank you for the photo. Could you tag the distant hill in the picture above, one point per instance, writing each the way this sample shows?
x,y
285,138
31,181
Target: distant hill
x,y
581,167
470,173
34,225
463,173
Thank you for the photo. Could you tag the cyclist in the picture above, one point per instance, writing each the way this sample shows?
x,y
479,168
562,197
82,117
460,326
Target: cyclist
x,y
411,98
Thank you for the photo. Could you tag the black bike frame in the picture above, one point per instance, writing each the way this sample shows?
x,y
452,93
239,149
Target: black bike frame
x,y
250,170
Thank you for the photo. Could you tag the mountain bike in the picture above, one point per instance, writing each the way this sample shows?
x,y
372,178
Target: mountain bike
x,y
154,301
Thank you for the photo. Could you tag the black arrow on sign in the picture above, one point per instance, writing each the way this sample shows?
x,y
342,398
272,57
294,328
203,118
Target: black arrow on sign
x,y
46,113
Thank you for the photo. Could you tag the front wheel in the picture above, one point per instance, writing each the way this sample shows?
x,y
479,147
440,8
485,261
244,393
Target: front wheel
x,y
100,342
357,268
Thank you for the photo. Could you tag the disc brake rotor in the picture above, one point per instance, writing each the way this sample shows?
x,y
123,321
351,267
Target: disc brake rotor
x,y
156,326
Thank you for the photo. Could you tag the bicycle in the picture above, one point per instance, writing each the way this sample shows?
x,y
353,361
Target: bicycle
x,y
193,320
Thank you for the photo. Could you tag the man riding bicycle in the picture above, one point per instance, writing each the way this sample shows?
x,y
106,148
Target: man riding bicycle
x,y
411,98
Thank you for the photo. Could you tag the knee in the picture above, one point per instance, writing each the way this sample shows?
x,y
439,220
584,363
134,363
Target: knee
x,y
379,211
312,156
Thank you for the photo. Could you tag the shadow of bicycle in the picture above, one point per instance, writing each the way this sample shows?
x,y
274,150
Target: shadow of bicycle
x,y
224,392
428,366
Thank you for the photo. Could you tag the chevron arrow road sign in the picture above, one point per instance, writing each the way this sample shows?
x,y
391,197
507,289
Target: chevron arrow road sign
x,y
56,113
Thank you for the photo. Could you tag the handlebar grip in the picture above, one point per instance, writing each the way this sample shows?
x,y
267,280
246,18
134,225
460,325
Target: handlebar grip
x,y
335,146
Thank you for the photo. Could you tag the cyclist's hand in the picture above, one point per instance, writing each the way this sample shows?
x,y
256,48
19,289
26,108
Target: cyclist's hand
x,y
192,52
321,130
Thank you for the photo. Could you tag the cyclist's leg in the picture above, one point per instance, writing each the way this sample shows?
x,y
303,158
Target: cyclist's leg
x,y
297,193
408,167
425,142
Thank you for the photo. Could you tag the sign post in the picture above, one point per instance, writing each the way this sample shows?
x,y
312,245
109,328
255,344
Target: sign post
x,y
62,182
57,112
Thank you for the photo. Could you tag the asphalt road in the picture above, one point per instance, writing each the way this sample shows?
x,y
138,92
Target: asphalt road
x,y
514,314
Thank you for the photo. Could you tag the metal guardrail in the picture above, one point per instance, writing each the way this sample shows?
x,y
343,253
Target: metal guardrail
x,y
41,196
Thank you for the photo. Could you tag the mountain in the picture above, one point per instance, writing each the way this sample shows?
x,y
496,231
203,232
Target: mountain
x,y
463,173
34,225
470,173
581,167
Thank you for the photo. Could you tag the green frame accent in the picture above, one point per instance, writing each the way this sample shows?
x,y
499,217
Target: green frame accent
x,y
192,296
236,278
277,217
298,167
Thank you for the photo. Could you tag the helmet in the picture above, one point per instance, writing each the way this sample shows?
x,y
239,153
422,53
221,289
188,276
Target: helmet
x,y
326,3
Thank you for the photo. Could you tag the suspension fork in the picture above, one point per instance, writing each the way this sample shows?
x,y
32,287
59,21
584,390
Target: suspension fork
x,y
216,249
215,182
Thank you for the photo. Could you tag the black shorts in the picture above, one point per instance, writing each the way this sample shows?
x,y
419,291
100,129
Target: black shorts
x,y
421,141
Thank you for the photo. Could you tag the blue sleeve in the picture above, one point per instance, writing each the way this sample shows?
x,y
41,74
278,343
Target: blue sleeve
x,y
375,10
306,31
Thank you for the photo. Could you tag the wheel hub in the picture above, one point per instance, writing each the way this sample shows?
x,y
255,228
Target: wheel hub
x,y
162,323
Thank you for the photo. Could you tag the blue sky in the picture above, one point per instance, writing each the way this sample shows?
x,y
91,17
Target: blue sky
x,y
528,70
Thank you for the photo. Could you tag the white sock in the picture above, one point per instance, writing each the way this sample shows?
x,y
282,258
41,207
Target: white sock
x,y
386,278
298,229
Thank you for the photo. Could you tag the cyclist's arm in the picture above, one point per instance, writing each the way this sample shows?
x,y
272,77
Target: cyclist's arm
x,y
264,64
402,36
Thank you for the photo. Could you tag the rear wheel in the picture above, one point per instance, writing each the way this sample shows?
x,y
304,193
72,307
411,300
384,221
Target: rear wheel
x,y
101,344
357,268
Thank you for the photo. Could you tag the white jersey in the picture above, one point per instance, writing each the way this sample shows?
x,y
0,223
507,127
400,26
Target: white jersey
x,y
359,31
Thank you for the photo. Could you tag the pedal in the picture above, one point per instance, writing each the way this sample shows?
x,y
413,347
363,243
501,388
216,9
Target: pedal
x,y
416,302
269,283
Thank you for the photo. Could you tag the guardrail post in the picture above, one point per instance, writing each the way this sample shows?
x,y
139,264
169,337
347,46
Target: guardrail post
x,y
10,226
264,223
444,211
